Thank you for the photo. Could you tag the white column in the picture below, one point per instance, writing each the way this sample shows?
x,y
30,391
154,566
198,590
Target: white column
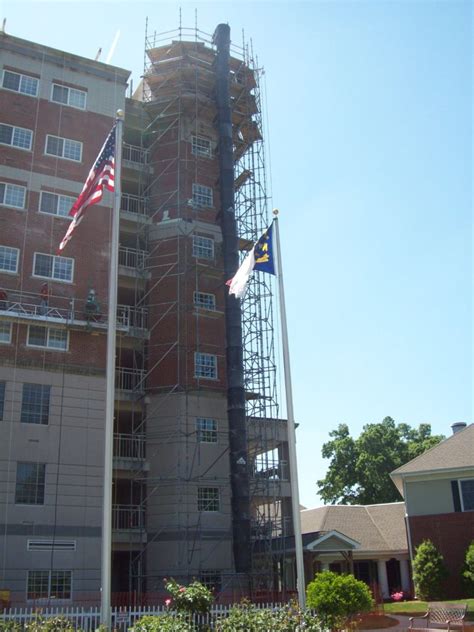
x,y
383,579
405,575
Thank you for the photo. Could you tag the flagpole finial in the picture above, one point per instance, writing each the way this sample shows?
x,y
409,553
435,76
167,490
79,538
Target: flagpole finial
x,y
276,212
120,114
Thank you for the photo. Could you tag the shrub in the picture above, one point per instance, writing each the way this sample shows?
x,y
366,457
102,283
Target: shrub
x,y
195,598
468,571
163,623
39,624
247,618
337,599
429,571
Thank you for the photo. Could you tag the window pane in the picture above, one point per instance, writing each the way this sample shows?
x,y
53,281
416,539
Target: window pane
x,y
65,203
57,339
204,300
29,85
8,259
48,203
22,138
5,332
60,94
62,268
208,499
77,98
35,404
201,147
11,80
72,149
14,196
38,585
203,247
61,584
206,430
30,481
37,336
205,365
43,265
467,489
202,196
54,146
6,134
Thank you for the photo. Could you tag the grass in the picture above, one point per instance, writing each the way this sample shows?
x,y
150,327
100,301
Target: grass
x,y
412,608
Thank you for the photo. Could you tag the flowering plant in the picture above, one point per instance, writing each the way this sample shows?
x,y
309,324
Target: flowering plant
x,y
397,596
192,598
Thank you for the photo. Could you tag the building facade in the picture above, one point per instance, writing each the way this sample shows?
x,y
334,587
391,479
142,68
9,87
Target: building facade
x,y
197,475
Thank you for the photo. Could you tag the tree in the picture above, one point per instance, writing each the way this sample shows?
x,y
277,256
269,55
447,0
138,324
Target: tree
x,y
337,598
468,571
359,471
429,571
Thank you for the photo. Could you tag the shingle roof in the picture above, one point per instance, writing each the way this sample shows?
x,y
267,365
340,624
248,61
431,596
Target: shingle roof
x,y
457,451
375,527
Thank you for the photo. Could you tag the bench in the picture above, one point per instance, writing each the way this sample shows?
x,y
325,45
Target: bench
x,y
443,614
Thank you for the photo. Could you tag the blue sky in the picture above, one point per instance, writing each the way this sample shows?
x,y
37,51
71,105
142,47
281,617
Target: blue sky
x,y
369,106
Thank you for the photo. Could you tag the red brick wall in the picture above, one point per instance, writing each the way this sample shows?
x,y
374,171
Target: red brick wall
x,y
451,533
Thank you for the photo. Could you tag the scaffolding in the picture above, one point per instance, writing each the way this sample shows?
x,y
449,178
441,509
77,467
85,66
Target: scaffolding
x,y
170,238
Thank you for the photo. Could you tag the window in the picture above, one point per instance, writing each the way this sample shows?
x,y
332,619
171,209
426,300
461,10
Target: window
x,y
35,404
9,259
16,136
212,580
69,96
205,365
30,481
49,585
5,333
48,338
55,204
208,499
12,195
206,430
203,247
2,399
64,148
20,83
204,300
202,196
53,267
201,147
467,494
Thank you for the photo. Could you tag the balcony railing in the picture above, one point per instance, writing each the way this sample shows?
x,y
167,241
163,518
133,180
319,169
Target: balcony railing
x,y
125,517
129,446
133,204
272,470
129,316
132,258
130,379
135,154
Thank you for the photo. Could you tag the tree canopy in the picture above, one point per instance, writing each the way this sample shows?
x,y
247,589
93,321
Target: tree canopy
x,y
359,471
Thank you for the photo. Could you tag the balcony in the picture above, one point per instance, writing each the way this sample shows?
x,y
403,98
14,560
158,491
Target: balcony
x,y
271,478
133,207
129,383
128,523
134,157
129,452
131,262
132,317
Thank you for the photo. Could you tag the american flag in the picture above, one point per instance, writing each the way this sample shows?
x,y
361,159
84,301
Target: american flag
x,y
101,175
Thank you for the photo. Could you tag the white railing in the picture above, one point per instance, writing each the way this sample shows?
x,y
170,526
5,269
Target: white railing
x,y
129,379
272,470
133,153
128,517
129,446
132,204
132,258
129,316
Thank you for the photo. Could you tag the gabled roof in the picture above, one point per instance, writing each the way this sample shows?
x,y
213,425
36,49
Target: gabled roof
x,y
454,453
374,527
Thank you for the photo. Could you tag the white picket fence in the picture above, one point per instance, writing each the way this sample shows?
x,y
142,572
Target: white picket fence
x,y
88,619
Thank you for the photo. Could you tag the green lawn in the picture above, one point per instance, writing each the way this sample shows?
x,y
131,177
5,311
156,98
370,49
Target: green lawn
x,y
416,607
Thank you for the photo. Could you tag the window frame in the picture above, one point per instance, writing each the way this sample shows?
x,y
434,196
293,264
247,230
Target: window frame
x,y
197,150
4,271
203,503
205,434
48,334
461,496
21,75
69,89
54,258
207,355
43,402
199,248
40,487
64,140
12,144
9,341
58,197
48,574
202,305
3,202
202,196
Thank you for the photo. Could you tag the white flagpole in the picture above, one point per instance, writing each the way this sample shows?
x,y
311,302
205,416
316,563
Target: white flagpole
x,y
110,384
295,497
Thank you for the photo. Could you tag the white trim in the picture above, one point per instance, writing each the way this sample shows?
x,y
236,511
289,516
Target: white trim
x,y
204,377
18,186
47,599
17,260
211,308
62,156
68,88
52,278
353,544
20,74
9,341
25,129
46,346
58,195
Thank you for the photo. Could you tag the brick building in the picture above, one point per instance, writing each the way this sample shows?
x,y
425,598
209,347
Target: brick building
x,y
196,482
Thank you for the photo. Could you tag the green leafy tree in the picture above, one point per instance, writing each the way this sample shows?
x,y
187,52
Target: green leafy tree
x,y
337,599
468,571
359,470
429,571
194,598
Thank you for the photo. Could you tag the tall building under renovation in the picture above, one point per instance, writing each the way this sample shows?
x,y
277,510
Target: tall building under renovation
x,y
201,483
